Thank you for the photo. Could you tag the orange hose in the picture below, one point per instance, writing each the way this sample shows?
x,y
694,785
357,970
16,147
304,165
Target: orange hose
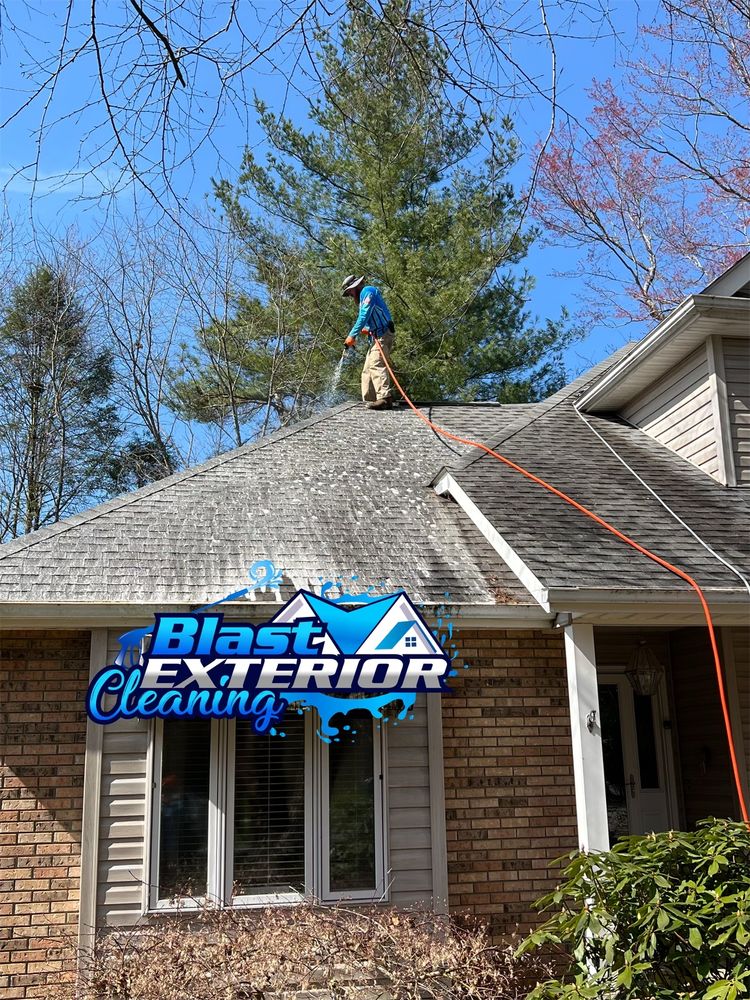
x,y
623,538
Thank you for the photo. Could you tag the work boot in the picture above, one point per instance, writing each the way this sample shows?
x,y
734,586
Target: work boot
x,y
378,404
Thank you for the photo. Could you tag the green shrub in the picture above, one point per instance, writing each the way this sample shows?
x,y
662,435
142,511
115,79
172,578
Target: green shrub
x,y
657,917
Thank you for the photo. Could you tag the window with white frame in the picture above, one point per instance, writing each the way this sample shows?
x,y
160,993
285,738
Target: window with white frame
x,y
251,819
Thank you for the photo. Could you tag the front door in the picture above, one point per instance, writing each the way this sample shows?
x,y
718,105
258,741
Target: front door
x,y
638,769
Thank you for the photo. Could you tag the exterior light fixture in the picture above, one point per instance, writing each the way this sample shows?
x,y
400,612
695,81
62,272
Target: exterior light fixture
x,y
644,671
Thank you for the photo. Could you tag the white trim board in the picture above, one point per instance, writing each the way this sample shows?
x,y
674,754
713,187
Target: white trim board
x,y
585,720
611,391
732,280
92,782
438,835
721,416
446,484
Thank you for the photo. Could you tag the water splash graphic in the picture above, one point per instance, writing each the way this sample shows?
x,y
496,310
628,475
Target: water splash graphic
x,y
329,705
130,646
264,576
344,597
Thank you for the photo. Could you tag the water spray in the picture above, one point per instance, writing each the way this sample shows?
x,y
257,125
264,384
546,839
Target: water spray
x,y
333,385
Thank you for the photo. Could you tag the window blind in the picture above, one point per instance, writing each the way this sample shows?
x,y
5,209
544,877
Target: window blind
x,y
183,842
269,809
351,805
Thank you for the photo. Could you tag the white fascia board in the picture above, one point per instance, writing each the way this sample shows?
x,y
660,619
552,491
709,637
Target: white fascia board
x,y
669,326
42,616
79,614
650,608
686,312
731,280
559,596
446,484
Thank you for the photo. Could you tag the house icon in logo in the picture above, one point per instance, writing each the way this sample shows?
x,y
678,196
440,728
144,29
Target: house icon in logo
x,y
391,626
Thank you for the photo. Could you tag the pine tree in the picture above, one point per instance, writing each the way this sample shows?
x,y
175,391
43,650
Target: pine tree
x,y
56,426
390,181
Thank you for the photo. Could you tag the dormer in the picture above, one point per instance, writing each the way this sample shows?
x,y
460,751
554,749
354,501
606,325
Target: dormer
x,y
687,383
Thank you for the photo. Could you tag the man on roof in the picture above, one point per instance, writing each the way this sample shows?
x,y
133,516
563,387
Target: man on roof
x,y
373,321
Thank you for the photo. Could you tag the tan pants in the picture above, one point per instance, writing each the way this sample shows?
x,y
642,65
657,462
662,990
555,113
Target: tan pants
x,y
376,382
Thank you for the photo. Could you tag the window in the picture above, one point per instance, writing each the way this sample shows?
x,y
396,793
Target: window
x,y
646,740
234,813
268,827
183,807
614,762
352,811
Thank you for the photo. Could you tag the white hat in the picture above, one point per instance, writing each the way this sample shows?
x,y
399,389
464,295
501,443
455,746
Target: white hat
x,y
351,281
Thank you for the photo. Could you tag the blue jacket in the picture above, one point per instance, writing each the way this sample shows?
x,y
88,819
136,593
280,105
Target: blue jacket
x,y
373,313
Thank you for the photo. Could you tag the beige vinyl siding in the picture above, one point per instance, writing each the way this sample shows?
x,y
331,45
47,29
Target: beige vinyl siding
x,y
678,412
741,651
122,822
409,834
124,800
703,754
737,378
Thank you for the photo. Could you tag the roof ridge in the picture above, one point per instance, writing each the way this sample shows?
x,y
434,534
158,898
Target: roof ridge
x,y
524,420
493,403
16,545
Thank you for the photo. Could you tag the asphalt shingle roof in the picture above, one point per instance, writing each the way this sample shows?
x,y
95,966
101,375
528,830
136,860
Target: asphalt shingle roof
x,y
344,493
565,549
348,493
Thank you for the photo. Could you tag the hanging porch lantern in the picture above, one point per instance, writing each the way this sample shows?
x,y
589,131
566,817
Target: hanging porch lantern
x,y
644,671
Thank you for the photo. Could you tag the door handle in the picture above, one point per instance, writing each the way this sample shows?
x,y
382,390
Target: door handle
x,y
631,782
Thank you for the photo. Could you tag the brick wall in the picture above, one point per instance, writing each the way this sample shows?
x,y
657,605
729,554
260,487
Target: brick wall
x,y
43,677
508,774
510,803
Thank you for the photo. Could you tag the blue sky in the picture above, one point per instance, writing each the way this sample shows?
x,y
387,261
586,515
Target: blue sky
x,y
77,201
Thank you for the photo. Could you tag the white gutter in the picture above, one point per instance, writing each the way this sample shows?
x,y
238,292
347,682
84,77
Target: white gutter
x,y
614,595
647,608
81,615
